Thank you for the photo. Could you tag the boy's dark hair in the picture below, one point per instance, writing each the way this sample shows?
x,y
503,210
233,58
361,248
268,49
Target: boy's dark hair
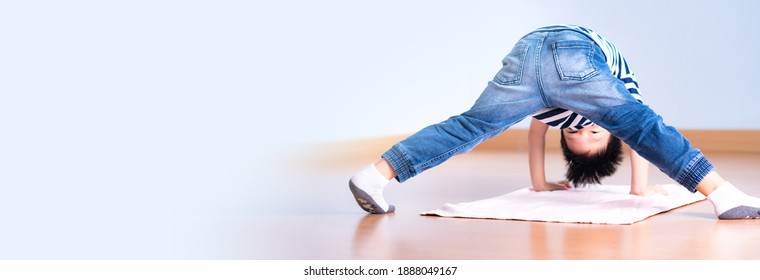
x,y
583,169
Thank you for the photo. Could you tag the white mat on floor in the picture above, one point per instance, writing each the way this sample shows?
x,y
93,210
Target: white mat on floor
x,y
598,204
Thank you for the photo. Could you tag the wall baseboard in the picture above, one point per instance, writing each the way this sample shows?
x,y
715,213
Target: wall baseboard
x,y
709,141
740,141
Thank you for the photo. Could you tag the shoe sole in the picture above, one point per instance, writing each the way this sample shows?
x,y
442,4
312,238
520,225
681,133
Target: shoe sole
x,y
366,202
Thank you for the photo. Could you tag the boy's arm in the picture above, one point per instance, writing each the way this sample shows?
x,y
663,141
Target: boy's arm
x,y
536,153
640,177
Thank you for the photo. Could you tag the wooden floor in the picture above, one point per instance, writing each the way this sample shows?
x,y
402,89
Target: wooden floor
x,y
328,224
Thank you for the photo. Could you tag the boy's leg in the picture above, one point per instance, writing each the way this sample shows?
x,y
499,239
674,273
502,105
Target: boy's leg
x,y
729,202
604,99
435,144
510,97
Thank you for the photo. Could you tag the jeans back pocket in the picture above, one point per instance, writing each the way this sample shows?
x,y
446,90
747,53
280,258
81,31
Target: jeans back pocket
x,y
574,59
512,65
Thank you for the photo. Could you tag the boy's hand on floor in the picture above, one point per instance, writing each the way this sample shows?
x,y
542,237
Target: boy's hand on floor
x,y
551,186
656,189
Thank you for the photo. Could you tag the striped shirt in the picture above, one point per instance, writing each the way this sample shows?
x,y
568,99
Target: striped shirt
x,y
562,118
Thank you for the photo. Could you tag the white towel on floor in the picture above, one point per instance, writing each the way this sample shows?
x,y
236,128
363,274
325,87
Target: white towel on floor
x,y
597,204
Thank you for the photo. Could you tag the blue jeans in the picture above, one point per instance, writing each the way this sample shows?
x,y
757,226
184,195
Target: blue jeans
x,y
563,69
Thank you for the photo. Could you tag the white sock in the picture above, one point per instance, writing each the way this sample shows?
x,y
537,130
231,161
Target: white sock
x,y
727,197
370,181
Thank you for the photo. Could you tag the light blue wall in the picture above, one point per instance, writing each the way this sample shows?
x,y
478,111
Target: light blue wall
x,y
397,68
343,70
327,70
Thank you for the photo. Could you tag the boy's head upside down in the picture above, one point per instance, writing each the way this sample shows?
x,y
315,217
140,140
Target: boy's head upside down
x,y
591,153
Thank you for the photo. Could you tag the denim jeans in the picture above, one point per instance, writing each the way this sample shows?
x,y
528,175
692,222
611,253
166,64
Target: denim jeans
x,y
563,69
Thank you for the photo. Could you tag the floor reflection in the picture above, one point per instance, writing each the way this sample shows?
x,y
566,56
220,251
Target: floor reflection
x,y
372,239
408,237
678,240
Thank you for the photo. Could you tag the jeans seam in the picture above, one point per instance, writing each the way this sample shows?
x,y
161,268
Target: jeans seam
x,y
398,159
539,81
694,172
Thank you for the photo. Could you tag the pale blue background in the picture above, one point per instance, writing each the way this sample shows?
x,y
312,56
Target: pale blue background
x,y
126,126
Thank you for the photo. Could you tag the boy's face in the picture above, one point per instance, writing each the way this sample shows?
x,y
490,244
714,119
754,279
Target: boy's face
x,y
589,140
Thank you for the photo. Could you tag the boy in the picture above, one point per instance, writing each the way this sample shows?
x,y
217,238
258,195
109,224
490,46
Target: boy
x,y
560,67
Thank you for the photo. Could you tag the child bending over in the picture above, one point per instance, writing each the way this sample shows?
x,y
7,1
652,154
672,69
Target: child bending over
x,y
571,77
